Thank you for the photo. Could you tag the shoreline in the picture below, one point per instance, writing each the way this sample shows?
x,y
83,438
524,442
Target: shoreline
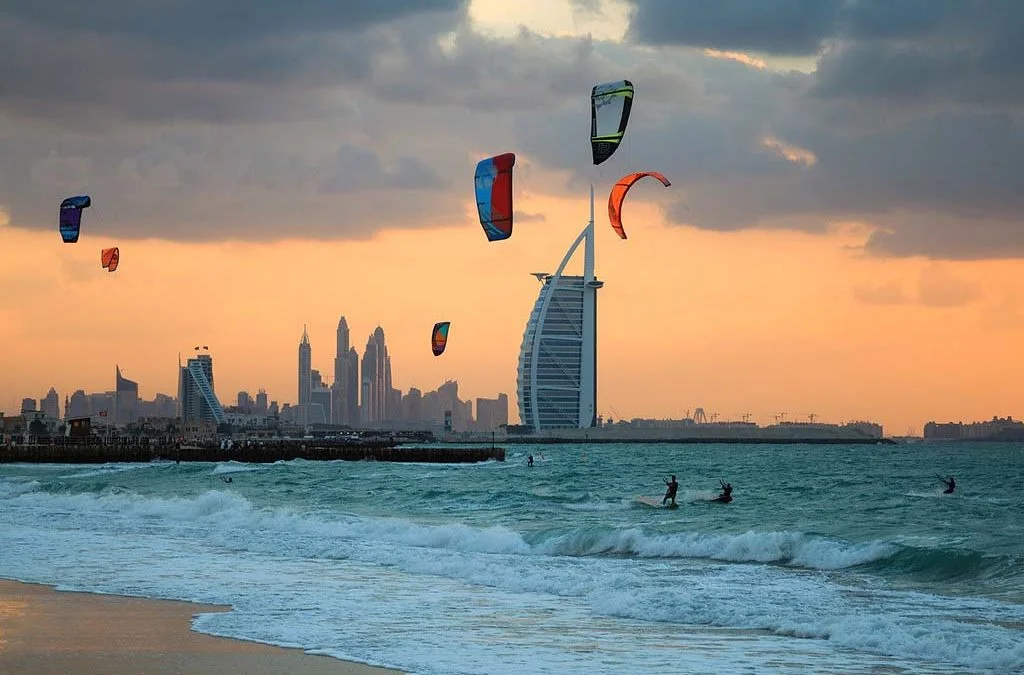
x,y
44,631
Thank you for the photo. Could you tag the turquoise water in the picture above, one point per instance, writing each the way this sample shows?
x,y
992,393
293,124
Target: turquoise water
x,y
830,559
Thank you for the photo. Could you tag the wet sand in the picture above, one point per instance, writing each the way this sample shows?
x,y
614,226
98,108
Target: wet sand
x,y
48,632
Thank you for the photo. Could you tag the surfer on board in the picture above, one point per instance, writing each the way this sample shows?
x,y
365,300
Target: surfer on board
x,y
529,460
670,493
726,495
950,485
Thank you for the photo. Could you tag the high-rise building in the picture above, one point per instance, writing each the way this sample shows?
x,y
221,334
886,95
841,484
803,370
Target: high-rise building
x,y
556,379
412,406
376,381
50,405
319,404
342,390
126,398
28,405
491,413
261,402
305,378
101,407
78,406
244,402
352,387
196,396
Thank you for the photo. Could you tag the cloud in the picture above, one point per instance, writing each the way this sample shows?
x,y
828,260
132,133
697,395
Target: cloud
x,y
184,59
914,117
314,123
888,293
524,217
792,27
358,170
937,287
739,57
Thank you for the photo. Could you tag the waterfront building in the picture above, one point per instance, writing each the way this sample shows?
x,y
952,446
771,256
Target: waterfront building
x,y
556,379
197,399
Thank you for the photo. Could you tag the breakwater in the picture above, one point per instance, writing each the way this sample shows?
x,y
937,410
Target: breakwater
x,y
699,440
264,453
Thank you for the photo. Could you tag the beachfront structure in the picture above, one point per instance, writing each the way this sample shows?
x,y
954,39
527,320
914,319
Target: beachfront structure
x,y
196,396
556,380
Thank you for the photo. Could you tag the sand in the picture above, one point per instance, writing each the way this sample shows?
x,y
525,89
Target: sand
x,y
48,632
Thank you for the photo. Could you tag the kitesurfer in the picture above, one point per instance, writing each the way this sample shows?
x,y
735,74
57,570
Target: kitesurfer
x,y
529,460
950,485
670,493
726,495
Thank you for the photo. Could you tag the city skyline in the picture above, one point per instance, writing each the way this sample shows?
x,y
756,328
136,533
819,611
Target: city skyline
x,y
827,247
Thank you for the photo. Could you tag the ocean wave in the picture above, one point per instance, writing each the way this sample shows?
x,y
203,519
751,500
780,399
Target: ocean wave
x,y
225,510
936,633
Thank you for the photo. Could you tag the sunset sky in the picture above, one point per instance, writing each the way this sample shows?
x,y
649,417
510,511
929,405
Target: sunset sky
x,y
842,236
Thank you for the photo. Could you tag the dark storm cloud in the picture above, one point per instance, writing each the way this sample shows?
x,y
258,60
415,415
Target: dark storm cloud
x,y
795,27
888,49
359,169
337,126
213,60
913,116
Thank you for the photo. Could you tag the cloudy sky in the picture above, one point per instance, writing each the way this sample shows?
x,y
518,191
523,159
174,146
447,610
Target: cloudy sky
x,y
842,235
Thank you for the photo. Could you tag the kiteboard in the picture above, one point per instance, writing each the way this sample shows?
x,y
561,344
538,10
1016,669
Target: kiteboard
x,y
654,502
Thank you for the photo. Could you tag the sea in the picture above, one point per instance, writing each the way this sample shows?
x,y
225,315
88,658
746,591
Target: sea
x,y
830,559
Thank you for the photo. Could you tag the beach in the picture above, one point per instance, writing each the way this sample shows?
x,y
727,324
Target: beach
x,y
44,631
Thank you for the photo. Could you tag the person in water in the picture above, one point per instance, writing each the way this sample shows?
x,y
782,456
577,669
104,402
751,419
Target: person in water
x,y
670,493
950,485
726,495
529,460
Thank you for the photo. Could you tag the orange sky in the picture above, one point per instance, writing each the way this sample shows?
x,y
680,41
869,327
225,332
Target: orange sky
x,y
752,322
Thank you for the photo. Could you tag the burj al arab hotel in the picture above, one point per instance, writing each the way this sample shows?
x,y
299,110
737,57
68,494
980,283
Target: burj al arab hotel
x,y
556,382
557,371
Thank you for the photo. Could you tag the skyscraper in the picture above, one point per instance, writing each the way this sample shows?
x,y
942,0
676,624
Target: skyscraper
x,y
376,381
492,413
126,398
352,386
196,395
340,390
557,375
50,405
305,377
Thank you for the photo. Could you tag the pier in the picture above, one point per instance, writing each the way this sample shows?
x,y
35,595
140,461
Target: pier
x,y
254,453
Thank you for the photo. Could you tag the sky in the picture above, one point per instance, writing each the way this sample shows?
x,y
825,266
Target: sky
x,y
842,236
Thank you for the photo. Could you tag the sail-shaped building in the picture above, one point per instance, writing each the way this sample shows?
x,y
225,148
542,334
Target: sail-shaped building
x,y
556,381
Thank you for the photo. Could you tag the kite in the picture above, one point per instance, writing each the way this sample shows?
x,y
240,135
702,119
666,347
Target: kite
x,y
493,182
109,257
610,104
71,217
439,337
618,194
